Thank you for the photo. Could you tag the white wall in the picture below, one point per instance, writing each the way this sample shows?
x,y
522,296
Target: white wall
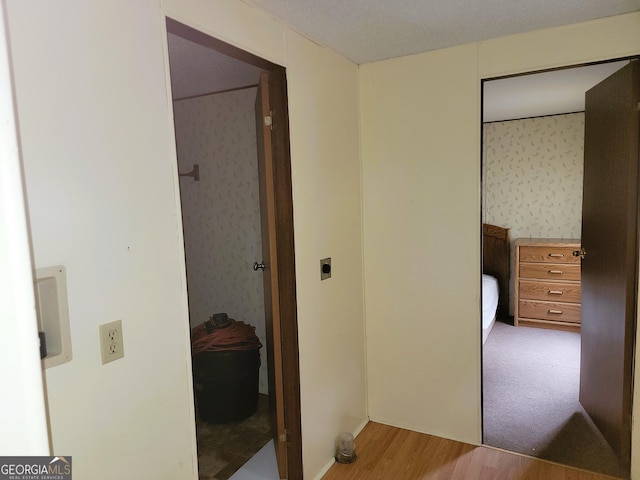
x,y
421,150
22,409
97,135
323,109
99,167
421,183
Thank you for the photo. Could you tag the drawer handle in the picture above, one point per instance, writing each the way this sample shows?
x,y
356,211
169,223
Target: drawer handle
x,y
556,292
555,312
556,255
556,272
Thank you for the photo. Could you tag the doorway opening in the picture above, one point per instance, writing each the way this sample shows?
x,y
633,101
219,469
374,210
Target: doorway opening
x,y
532,186
246,385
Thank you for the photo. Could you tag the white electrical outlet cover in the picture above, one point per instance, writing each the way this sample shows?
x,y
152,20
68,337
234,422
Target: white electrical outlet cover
x,y
111,343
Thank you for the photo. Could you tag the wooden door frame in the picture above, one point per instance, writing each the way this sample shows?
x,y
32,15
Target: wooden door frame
x,y
482,187
284,231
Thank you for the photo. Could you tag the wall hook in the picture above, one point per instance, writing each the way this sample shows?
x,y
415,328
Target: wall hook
x,y
195,173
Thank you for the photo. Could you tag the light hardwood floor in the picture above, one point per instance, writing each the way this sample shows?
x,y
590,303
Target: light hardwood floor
x,y
389,453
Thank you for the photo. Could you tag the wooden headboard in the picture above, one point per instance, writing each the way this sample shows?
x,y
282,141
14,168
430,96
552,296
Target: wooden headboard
x,y
496,255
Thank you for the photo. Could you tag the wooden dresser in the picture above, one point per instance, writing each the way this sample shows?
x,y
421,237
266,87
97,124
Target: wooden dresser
x,y
547,283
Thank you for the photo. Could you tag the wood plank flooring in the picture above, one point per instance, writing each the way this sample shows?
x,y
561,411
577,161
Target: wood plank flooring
x,y
386,452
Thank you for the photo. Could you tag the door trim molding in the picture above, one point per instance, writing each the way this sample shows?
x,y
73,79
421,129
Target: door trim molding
x,y
284,231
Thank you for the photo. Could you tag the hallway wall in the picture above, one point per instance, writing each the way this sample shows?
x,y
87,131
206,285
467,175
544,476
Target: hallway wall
x,y
421,147
95,115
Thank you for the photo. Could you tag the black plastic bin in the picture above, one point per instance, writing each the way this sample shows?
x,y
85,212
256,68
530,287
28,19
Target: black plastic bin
x,y
226,384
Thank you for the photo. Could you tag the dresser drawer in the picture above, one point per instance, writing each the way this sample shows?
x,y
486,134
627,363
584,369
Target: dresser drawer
x,y
547,281
559,312
548,254
548,271
552,292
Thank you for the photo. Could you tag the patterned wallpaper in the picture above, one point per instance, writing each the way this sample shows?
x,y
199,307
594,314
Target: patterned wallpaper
x,y
221,212
532,176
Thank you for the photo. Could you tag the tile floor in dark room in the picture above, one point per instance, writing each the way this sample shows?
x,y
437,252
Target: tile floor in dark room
x,y
224,448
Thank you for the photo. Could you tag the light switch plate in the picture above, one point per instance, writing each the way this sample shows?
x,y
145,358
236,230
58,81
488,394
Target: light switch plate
x,y
111,344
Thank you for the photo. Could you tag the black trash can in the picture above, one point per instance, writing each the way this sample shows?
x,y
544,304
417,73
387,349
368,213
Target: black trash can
x,y
226,365
226,384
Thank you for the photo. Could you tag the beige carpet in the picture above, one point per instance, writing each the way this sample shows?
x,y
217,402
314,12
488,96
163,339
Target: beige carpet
x,y
531,379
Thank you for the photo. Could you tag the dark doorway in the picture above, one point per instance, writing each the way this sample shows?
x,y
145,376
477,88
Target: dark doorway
x,y
281,313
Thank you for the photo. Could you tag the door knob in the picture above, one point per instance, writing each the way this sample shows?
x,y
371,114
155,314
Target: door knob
x,y
257,265
580,253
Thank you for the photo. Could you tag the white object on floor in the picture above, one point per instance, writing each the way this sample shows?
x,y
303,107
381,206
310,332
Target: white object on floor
x,y
262,466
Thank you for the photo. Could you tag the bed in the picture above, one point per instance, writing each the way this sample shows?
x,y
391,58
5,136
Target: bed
x,y
490,297
495,275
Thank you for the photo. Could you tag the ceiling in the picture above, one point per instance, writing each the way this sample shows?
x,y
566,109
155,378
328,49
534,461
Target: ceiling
x,y
367,30
540,94
198,70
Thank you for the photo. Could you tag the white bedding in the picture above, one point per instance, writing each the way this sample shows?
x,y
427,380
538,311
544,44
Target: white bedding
x,y
490,292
